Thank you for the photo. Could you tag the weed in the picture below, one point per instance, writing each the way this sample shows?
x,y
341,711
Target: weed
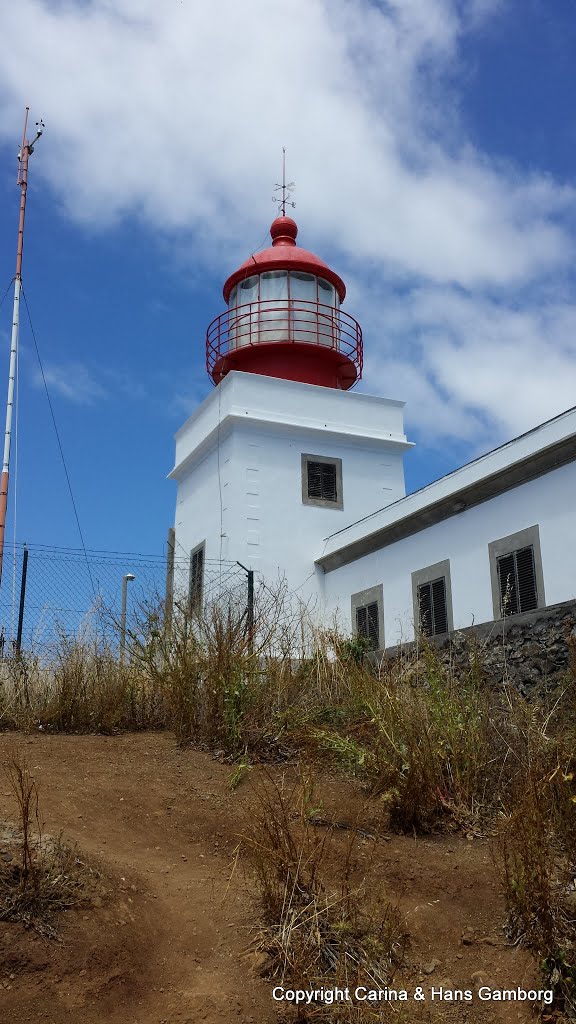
x,y
240,771
348,753
314,931
45,876
25,792
535,852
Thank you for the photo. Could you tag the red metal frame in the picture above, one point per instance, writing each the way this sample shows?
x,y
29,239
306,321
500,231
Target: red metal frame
x,y
305,341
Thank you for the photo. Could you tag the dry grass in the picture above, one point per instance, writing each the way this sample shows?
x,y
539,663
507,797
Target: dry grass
x,y
436,749
535,852
40,877
314,931
83,688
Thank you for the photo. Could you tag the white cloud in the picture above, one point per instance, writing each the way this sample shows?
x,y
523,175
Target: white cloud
x,y
177,112
473,368
432,414
84,385
478,10
71,381
516,365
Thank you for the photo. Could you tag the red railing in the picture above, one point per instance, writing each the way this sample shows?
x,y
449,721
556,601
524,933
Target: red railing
x,y
269,322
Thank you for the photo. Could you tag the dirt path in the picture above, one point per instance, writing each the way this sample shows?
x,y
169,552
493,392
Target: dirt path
x,y
166,944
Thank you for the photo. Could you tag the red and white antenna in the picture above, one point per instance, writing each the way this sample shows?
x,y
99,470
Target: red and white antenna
x,y
26,149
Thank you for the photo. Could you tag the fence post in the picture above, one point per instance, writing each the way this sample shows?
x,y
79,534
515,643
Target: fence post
x,y
249,613
250,608
22,601
169,596
126,579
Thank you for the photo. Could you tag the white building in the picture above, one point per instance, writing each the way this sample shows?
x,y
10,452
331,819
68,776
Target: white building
x,y
285,470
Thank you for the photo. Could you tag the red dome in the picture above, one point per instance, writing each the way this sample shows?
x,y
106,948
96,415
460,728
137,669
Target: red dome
x,y
285,328
285,254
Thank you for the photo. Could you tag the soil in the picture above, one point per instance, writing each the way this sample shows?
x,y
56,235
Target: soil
x,y
167,938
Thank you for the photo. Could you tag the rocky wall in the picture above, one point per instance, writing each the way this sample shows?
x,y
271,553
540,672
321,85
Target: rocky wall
x,y
534,652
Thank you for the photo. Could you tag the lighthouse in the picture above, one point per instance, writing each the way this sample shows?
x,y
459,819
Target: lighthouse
x,y
282,453
283,318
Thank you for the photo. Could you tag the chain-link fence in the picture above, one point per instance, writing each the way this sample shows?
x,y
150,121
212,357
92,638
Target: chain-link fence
x,y
49,593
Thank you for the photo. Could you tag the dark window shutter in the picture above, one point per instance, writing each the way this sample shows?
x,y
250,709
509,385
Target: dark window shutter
x,y
373,628
196,578
507,584
322,481
439,613
314,480
432,606
367,624
425,607
526,576
517,581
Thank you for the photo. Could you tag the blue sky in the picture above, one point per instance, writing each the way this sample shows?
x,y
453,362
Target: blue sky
x,y
433,143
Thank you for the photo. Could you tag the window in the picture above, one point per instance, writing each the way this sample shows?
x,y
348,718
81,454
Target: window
x,y
432,607
248,290
367,624
516,573
367,609
322,481
302,287
432,599
196,583
517,581
327,294
274,287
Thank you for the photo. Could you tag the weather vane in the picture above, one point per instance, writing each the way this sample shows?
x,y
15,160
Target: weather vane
x,y
286,188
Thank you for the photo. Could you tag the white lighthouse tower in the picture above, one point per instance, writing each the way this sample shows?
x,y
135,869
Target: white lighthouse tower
x,y
282,454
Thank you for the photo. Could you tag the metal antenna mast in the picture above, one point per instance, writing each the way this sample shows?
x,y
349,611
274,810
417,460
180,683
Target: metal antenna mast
x,y
286,188
22,181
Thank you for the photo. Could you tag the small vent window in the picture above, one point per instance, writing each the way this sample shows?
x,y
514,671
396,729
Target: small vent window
x,y
517,581
367,624
196,579
322,482
432,607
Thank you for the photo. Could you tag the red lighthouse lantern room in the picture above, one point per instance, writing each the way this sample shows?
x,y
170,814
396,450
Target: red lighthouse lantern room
x,y
284,318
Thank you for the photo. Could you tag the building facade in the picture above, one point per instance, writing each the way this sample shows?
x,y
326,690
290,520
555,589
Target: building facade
x,y
287,471
495,537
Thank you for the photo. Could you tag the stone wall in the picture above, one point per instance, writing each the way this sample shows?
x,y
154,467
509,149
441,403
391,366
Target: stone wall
x,y
533,651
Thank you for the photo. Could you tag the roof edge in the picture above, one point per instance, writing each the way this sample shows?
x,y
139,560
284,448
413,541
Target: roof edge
x,y
536,464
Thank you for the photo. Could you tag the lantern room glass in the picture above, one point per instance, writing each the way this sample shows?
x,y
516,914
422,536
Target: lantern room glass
x,y
278,306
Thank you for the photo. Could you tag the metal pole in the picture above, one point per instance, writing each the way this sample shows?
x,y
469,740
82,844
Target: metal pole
x,y
22,602
26,149
169,598
125,580
249,602
250,611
